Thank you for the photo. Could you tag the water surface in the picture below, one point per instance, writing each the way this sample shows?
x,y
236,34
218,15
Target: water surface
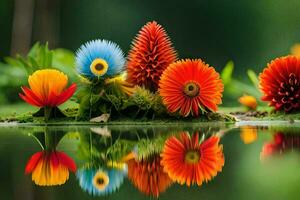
x,y
261,161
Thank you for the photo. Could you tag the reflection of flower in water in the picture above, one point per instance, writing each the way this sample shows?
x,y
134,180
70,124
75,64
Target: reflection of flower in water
x,y
99,181
148,175
50,168
248,134
188,161
280,144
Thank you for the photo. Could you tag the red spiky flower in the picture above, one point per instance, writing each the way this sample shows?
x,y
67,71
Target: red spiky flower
x,y
280,83
188,86
151,52
148,175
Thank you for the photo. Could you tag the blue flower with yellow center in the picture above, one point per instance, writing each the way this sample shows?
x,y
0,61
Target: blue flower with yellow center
x,y
99,181
99,58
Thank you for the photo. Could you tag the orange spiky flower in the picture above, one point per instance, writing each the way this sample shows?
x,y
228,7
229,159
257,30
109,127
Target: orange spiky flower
x,y
280,83
190,86
151,52
187,161
148,175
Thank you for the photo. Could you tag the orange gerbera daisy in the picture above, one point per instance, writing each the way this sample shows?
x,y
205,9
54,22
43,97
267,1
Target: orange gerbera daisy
x,y
190,86
189,162
150,54
148,175
47,88
280,83
50,168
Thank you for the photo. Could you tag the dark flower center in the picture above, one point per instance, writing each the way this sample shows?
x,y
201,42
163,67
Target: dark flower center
x,y
192,157
100,181
191,89
99,66
288,94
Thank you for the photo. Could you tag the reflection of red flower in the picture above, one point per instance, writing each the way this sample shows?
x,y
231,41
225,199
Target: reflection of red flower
x,y
47,88
188,161
280,83
281,143
50,168
148,176
150,54
188,86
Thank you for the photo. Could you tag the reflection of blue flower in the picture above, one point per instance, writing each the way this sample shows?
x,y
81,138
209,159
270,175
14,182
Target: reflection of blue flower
x,y
98,181
99,58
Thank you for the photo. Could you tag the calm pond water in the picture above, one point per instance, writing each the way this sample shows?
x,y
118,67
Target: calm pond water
x,y
241,161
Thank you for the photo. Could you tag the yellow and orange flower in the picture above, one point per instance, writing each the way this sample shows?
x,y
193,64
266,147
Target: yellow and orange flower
x,y
150,54
190,86
47,88
248,101
50,168
248,134
280,83
148,175
189,162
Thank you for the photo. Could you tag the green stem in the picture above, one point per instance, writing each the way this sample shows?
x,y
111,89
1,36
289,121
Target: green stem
x,y
47,113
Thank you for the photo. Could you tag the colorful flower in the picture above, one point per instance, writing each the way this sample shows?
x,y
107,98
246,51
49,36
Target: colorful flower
x,y
248,101
150,54
99,58
280,144
148,176
187,161
190,86
280,83
47,88
50,168
248,134
100,181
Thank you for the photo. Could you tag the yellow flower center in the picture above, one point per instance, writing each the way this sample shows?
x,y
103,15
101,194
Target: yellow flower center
x,y
99,67
191,89
100,180
192,157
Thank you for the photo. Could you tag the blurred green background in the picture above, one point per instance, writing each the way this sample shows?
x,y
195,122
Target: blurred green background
x,y
248,32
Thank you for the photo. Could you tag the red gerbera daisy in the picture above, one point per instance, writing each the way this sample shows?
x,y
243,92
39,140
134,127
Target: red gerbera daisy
x,y
280,83
281,143
190,162
150,54
50,168
190,85
148,175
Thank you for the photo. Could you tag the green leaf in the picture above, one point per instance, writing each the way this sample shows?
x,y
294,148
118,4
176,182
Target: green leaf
x,y
226,73
253,77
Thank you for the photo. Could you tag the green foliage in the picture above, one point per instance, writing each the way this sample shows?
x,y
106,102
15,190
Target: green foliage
x,y
253,77
15,71
226,73
236,88
39,57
